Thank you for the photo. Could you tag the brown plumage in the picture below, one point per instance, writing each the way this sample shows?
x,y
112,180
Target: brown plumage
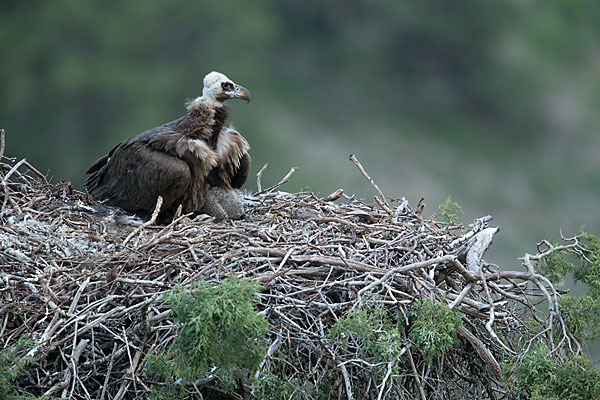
x,y
179,160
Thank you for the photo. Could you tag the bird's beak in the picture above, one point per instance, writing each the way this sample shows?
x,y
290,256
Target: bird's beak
x,y
239,92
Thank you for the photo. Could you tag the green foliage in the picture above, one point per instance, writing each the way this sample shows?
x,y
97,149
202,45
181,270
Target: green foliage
x,y
433,327
13,366
219,328
555,266
168,392
545,379
163,367
449,210
582,316
159,365
581,313
273,387
358,324
589,272
372,329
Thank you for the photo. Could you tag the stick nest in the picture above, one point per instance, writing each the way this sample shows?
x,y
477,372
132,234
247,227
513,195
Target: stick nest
x,y
85,282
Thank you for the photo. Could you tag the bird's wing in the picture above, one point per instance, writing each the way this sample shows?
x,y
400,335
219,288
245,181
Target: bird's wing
x,y
135,173
238,178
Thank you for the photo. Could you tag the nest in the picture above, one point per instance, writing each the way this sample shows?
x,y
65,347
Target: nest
x,y
85,282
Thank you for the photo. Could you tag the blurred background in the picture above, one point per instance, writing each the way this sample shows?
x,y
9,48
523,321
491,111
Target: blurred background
x,y
494,103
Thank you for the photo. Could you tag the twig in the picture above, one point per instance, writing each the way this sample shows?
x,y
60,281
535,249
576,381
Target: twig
x,y
463,293
2,143
270,351
146,224
140,282
7,196
131,370
482,351
35,171
75,360
382,201
476,227
285,258
416,375
404,269
78,295
108,371
12,171
280,183
334,196
383,204
347,383
387,376
259,178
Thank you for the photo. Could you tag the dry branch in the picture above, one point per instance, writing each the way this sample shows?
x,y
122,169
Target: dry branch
x,y
283,181
2,143
381,201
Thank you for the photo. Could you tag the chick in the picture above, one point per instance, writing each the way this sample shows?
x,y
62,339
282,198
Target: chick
x,y
223,204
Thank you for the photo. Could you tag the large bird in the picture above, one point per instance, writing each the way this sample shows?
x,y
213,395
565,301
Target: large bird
x,y
180,160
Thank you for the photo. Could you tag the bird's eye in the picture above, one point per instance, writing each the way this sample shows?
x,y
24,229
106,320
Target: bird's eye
x,y
227,86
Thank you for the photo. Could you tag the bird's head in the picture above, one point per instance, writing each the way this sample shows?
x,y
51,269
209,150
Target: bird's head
x,y
218,88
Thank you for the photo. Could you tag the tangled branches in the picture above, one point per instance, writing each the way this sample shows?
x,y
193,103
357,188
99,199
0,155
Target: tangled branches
x,y
361,301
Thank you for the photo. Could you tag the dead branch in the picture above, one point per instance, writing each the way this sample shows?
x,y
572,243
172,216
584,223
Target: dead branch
x,y
2,143
146,224
380,200
259,177
280,183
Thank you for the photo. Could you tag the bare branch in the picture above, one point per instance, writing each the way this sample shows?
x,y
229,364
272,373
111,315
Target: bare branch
x,y
381,201
146,224
280,183
259,177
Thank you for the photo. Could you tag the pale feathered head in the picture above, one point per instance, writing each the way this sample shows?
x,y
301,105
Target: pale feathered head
x,y
218,87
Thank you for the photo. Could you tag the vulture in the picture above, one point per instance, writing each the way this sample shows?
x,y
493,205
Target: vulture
x,y
196,161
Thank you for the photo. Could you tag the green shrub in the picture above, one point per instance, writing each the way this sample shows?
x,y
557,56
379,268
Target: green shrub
x,y
589,272
433,327
272,387
12,366
449,210
581,313
582,316
555,266
219,328
544,378
372,329
168,392
159,366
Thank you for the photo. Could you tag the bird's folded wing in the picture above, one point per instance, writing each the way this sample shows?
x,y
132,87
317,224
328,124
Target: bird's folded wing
x,y
134,174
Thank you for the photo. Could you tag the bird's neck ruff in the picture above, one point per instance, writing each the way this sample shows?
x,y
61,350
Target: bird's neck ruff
x,y
204,101
231,147
204,120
